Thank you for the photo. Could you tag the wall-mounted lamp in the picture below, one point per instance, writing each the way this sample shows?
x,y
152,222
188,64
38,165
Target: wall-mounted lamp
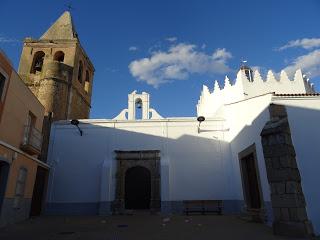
x,y
75,122
200,119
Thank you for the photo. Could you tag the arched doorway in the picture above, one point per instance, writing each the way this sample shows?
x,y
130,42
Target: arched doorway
x,y
137,188
128,165
4,172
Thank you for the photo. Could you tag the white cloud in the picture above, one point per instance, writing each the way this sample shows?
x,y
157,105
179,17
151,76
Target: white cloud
x,y
172,39
111,70
133,48
4,39
306,43
309,63
177,63
154,48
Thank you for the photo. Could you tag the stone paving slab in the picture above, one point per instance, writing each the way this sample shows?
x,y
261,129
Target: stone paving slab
x,y
137,227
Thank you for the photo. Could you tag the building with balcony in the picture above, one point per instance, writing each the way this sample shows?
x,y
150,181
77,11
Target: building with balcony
x,y
22,174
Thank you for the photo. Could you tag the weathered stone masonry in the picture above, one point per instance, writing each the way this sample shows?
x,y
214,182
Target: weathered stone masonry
x,y
62,85
287,198
149,159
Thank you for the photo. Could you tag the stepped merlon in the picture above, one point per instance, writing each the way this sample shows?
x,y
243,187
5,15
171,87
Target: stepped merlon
x,y
249,84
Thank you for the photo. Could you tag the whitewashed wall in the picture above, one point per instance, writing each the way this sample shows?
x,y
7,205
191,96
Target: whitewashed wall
x,y
193,165
246,120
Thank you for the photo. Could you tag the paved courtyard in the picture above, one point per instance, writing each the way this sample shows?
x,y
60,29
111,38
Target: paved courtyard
x,y
137,227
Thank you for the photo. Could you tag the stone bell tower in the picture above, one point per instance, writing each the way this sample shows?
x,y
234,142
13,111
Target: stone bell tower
x,y
58,71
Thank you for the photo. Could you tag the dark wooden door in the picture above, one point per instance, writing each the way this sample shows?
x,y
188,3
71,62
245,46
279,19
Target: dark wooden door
x,y
251,184
137,188
39,191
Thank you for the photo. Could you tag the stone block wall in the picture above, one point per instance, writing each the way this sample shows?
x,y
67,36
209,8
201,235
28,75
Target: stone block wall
x,y
288,202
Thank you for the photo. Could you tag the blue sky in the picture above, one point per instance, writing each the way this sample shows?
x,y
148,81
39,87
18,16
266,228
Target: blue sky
x,y
171,48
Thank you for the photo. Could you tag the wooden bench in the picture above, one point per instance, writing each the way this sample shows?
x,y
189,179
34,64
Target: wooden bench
x,y
203,206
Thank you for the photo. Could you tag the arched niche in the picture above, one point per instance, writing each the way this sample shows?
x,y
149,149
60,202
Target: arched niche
x,y
37,62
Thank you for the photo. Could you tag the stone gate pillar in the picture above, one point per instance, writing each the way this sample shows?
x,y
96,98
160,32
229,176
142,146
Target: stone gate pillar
x,y
287,198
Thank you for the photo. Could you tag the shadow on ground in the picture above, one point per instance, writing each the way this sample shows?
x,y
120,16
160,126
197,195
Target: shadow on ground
x,y
137,227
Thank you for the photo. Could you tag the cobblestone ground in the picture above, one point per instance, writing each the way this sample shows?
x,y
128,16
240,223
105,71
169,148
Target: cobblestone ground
x,y
137,227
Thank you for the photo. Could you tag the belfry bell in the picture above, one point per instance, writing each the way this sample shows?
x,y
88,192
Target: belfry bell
x,y
139,104
38,66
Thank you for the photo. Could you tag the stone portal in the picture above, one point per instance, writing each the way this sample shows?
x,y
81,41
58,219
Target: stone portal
x,y
144,191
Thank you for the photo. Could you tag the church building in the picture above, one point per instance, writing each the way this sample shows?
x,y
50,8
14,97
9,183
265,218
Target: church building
x,y
253,146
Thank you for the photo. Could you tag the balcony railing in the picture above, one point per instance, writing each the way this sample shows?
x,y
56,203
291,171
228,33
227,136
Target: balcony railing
x,y
32,140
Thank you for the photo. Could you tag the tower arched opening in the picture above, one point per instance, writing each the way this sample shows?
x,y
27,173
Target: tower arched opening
x,y
59,56
37,62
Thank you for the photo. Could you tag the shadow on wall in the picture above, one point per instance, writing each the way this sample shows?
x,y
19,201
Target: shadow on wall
x,y
183,161
305,132
216,174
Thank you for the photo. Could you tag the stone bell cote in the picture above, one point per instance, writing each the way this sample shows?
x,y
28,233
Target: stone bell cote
x,y
138,102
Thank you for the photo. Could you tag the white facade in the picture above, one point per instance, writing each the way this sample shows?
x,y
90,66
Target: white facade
x,y
195,163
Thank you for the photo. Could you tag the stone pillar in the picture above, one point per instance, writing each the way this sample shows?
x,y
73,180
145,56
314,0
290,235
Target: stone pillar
x,y
287,198
118,203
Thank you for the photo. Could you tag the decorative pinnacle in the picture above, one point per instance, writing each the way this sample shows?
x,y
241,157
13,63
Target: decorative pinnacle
x,y
257,76
284,76
227,82
270,76
216,86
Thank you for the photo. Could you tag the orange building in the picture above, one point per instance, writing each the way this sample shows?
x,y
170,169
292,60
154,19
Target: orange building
x,y
22,176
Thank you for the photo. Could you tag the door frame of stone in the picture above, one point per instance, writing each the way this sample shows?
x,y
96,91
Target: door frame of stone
x,y
256,214
150,159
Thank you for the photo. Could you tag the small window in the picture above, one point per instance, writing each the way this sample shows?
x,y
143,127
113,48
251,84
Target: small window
x,y
87,82
20,187
80,71
37,62
2,84
59,56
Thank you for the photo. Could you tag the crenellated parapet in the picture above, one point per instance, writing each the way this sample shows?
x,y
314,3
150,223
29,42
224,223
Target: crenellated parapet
x,y
210,101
